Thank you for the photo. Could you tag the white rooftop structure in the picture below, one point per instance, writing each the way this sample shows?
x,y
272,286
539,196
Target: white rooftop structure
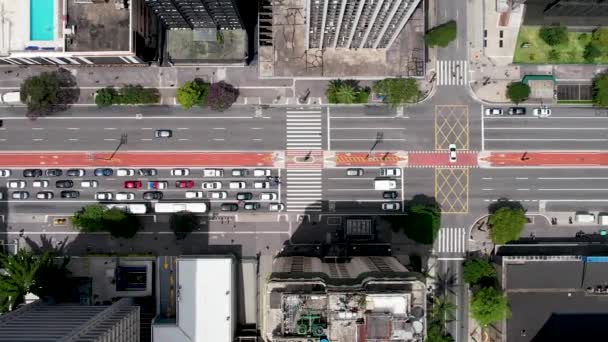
x,y
205,302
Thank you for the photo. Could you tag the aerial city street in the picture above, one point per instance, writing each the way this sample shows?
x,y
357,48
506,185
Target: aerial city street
x,y
303,170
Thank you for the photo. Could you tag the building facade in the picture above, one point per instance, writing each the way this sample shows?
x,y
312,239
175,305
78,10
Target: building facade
x,y
356,24
197,14
118,322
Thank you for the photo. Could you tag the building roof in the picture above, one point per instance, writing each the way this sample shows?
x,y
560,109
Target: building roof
x,y
205,302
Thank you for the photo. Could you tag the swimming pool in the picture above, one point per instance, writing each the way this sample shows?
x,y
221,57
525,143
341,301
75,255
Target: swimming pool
x,y
42,24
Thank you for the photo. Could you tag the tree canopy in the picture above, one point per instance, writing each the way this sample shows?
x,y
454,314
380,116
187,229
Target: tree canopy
x,y
441,35
489,305
506,224
518,92
421,223
553,35
221,96
600,91
41,93
397,91
440,311
476,269
183,223
129,94
192,93
97,218
346,91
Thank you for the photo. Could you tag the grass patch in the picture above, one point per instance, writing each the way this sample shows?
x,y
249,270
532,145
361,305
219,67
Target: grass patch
x,y
539,52
575,101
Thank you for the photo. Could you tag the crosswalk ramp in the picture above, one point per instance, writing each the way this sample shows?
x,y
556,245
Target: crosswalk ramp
x,y
452,73
304,189
451,242
304,129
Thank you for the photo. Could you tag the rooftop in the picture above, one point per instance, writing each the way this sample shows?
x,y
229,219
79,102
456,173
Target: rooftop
x,y
101,26
567,13
565,299
206,45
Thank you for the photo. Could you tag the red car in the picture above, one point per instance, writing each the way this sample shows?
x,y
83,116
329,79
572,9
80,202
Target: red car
x,y
184,184
132,184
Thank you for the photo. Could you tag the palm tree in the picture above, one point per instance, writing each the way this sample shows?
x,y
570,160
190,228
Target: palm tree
x,y
18,279
346,94
332,90
442,308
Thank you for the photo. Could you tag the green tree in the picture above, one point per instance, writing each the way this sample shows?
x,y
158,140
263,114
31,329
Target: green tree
x,y
421,223
553,55
592,51
600,36
476,269
554,35
488,305
344,91
600,91
442,308
518,92
89,219
136,94
18,278
183,223
441,35
105,97
436,333
506,224
97,218
397,91
192,93
40,93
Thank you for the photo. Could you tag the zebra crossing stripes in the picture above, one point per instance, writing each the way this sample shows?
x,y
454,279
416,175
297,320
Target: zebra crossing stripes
x,y
452,72
451,240
304,130
304,189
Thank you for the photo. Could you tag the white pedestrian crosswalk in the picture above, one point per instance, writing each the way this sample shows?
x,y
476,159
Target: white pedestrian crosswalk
x,y
304,130
451,240
304,189
452,73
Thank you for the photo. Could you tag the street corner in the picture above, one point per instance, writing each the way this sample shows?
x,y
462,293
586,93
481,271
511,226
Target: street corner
x,y
431,159
451,126
452,190
345,159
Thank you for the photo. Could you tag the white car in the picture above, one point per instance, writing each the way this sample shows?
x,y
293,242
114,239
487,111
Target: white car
x,y
5,173
103,196
261,185
239,172
452,148
268,196
493,111
40,184
89,184
180,172
276,207
45,195
125,172
237,185
15,184
213,173
20,195
217,194
125,196
194,194
391,206
262,172
390,172
212,185
542,112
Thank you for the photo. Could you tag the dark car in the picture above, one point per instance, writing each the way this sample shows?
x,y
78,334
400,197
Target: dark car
x,y
53,172
517,111
153,195
104,172
390,194
32,173
70,194
147,172
244,196
64,184
76,172
252,206
229,207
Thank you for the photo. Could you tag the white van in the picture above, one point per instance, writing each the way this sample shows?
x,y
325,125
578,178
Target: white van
x,y
603,219
384,184
584,218
11,98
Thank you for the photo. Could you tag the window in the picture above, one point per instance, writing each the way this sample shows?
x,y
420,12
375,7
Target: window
x,y
500,43
485,33
500,34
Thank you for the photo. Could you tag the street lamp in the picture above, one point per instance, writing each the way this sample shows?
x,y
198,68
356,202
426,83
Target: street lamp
x,y
379,139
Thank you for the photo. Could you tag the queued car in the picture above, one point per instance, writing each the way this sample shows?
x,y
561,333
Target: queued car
x,y
354,172
252,206
493,111
89,184
32,173
5,173
184,184
268,196
229,207
390,195
452,149
276,206
132,184
45,195
64,184
53,173
125,172
237,185
391,206
212,185
240,172
16,184
194,194
163,133
147,172
517,111
20,195
104,172
76,173
262,172
217,194
40,184
70,194
152,195
157,185
213,173
244,196
125,196
103,196
542,112
180,172
390,172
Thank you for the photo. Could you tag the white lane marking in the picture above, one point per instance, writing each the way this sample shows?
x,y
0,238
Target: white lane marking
x,y
183,139
109,139
304,112
37,139
487,178
217,139
73,139
146,139
182,128
38,128
487,189
521,178
146,128
219,128
258,139
256,127
376,128
73,128
109,128
572,178
523,189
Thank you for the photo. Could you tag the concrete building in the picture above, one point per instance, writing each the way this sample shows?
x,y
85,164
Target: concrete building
x,y
576,14
357,299
74,32
205,308
38,322
196,14
356,24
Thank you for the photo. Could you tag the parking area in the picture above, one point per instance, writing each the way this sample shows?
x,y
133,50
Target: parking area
x,y
574,92
363,190
222,189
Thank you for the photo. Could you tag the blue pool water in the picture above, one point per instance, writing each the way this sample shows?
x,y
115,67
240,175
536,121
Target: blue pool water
x,y
42,24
